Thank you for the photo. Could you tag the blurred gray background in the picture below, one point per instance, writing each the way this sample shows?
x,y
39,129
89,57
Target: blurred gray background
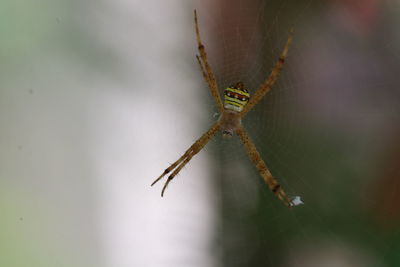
x,y
98,97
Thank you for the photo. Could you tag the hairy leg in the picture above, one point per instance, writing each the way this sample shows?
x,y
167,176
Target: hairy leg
x,y
269,82
206,78
182,161
262,167
208,73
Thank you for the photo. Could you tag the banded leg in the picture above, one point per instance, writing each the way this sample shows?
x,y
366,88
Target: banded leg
x,y
269,82
182,161
205,76
262,168
177,170
208,73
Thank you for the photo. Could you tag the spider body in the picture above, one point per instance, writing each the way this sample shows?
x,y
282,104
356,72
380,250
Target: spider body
x,y
236,104
235,98
229,122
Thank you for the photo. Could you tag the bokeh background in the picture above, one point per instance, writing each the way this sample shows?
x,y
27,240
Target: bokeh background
x,y
98,97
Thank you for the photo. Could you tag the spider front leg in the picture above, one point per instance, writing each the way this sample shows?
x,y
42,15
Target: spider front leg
x,y
182,161
262,168
266,86
176,171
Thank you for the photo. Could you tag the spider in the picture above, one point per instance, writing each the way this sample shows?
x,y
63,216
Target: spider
x,y
237,103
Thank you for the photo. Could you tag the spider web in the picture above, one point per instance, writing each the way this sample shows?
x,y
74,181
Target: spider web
x,y
324,131
97,97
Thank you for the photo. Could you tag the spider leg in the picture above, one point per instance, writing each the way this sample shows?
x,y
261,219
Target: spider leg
x,y
176,171
266,86
205,76
182,161
207,71
173,166
255,157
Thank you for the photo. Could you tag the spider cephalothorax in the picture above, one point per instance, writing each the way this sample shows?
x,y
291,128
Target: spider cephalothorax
x,y
236,104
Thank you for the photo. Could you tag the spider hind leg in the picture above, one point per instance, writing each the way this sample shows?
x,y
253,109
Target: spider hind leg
x,y
266,86
206,68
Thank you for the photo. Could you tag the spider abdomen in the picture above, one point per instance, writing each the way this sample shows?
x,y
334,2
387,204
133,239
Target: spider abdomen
x,y
236,97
